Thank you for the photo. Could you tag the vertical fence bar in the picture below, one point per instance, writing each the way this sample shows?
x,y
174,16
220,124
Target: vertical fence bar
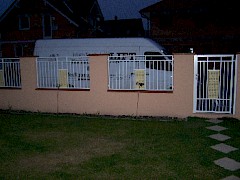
x,y
10,72
231,84
225,102
76,68
158,72
235,84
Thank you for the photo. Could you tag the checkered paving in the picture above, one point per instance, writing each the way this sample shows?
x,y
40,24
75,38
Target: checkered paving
x,y
225,162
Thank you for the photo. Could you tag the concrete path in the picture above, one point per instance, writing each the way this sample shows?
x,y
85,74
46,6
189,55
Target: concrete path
x,y
228,164
215,121
216,128
231,178
224,148
219,137
225,162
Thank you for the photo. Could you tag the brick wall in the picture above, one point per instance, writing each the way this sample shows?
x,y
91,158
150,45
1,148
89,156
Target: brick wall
x,y
12,36
182,33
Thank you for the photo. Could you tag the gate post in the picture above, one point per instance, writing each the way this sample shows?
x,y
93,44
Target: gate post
x,y
237,88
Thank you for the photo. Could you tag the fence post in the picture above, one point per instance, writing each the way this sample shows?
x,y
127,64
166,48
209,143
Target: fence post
x,y
99,81
237,98
23,98
98,73
183,82
28,73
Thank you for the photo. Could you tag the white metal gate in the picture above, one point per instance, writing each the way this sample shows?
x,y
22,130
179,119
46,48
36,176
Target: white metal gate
x,y
214,83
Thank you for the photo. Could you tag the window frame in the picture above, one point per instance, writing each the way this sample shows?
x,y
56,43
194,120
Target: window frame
x,y
21,25
16,50
44,27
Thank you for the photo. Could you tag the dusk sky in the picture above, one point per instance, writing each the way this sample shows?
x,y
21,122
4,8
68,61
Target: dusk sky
x,y
123,8
4,4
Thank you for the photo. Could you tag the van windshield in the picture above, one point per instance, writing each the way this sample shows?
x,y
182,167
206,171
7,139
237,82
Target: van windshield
x,y
152,53
156,55
164,52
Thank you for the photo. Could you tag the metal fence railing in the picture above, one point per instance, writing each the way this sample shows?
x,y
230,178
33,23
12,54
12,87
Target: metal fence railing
x,y
153,72
10,76
215,83
63,72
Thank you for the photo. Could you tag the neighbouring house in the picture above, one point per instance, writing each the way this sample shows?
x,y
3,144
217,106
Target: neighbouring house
x,y
22,22
200,25
123,28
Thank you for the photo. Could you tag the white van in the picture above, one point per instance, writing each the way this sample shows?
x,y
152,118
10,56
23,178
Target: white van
x,y
86,46
80,48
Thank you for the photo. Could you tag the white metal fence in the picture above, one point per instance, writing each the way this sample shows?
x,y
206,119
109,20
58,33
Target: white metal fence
x,y
215,83
10,76
63,72
153,72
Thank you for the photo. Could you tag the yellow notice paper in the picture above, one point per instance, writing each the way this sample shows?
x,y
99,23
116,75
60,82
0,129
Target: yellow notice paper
x,y
63,78
139,78
1,78
213,83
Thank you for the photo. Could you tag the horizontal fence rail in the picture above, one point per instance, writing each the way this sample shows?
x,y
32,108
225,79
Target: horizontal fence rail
x,y
10,76
63,72
153,73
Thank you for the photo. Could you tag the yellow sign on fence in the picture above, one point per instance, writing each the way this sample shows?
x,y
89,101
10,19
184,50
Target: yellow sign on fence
x,y
139,78
213,83
1,78
63,78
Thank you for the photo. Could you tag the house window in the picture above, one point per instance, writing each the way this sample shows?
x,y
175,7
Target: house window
x,y
47,26
24,22
18,50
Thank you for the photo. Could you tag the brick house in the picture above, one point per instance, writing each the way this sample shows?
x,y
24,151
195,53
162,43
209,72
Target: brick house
x,y
206,26
22,22
123,28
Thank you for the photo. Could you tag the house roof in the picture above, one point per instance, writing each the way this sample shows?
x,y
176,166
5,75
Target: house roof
x,y
168,5
75,7
175,6
63,10
74,10
124,27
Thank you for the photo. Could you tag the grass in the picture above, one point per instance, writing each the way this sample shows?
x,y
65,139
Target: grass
x,y
37,146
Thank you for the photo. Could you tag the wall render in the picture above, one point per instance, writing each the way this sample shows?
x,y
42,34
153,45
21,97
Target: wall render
x,y
98,100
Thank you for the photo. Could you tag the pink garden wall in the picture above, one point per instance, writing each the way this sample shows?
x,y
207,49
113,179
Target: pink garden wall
x,y
99,100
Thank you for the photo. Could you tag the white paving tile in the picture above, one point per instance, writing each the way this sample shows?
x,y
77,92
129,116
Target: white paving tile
x,y
231,178
224,148
216,128
219,137
228,164
215,121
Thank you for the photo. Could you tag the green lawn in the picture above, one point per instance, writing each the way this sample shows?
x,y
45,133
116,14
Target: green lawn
x,y
37,146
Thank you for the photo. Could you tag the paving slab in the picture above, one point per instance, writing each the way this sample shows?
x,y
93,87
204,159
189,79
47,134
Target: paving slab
x,y
224,148
231,178
228,164
215,121
216,128
219,137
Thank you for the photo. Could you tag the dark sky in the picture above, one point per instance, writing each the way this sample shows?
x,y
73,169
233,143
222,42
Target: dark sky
x,y
124,9
4,4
